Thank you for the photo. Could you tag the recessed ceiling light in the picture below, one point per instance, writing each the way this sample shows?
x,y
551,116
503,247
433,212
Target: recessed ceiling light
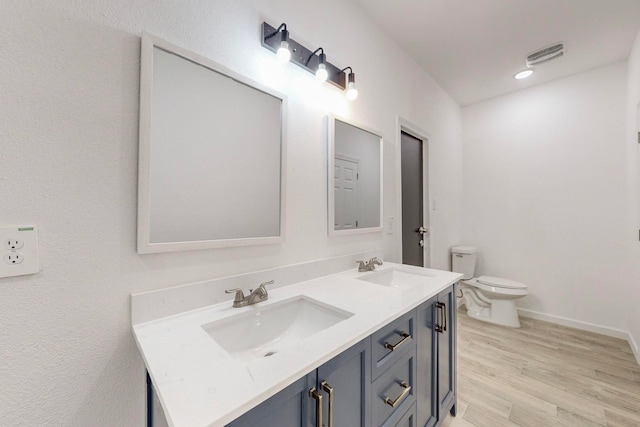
x,y
523,74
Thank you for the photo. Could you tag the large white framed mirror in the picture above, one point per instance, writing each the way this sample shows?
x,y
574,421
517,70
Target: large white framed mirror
x,y
212,154
354,178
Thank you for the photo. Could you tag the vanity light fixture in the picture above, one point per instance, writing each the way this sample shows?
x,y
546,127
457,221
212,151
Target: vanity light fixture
x,y
352,92
321,72
282,53
524,74
308,59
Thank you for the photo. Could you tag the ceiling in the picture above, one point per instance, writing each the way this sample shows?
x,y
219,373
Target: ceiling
x,y
473,48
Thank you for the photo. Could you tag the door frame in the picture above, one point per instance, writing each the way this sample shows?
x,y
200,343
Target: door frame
x,y
414,130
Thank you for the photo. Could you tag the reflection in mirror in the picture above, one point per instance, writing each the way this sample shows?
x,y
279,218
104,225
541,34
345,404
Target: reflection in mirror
x,y
355,178
211,154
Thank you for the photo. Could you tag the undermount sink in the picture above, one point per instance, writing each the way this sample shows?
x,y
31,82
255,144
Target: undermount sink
x,y
264,331
397,278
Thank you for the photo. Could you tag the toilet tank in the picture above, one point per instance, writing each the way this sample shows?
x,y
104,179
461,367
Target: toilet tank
x,y
463,260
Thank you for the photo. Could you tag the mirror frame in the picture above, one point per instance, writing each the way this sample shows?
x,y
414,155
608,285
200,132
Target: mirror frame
x,y
331,152
144,244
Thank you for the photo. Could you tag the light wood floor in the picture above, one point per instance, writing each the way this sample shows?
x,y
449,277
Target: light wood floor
x,y
543,375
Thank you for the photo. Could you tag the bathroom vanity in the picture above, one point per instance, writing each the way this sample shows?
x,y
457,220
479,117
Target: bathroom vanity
x,y
346,349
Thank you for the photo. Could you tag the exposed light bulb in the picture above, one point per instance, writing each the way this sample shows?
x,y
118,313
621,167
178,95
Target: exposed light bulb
x,y
524,74
283,54
321,73
352,92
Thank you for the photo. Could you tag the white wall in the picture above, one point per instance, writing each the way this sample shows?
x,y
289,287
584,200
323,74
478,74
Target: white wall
x,y
69,84
633,174
545,194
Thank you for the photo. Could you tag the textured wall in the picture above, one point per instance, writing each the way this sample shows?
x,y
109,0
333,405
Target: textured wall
x,y
68,131
633,177
545,194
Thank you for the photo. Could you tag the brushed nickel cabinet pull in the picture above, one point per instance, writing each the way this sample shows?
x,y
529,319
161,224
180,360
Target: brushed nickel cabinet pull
x,y
439,327
405,337
444,313
326,387
405,392
318,398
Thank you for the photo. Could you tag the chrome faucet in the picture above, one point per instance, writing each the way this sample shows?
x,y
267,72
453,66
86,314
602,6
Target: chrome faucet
x,y
255,295
369,265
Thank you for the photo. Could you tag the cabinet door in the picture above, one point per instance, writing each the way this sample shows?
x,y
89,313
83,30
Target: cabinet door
x,y
289,408
426,365
446,349
348,375
409,419
155,414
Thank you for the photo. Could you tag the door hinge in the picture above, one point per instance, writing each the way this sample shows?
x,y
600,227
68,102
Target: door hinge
x,y
356,223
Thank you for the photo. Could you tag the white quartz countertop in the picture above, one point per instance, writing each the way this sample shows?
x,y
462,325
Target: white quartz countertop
x,y
201,384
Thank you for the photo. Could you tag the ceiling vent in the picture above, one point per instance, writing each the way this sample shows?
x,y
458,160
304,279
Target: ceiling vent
x,y
546,54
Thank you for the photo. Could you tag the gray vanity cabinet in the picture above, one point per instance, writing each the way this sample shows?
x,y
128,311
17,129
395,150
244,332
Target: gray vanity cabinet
x,y
436,340
289,408
427,408
445,340
402,375
343,383
348,377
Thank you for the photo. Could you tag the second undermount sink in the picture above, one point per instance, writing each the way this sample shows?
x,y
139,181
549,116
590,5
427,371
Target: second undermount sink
x,y
398,278
264,331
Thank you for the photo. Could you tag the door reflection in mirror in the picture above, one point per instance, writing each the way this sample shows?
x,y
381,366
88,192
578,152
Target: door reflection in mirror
x,y
355,195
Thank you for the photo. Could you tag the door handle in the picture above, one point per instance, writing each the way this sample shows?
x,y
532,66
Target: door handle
x,y
318,398
326,387
423,230
421,243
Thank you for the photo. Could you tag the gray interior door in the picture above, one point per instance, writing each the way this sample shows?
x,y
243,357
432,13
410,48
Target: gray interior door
x,y
413,240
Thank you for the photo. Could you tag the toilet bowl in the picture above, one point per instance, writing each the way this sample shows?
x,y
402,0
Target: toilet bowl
x,y
489,299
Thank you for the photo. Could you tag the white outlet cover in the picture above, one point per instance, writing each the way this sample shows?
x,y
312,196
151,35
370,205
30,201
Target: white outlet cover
x,y
19,250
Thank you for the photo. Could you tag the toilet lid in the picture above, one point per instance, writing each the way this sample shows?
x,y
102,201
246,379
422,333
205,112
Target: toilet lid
x,y
501,283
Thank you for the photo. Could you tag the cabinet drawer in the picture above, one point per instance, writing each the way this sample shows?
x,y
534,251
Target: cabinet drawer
x,y
391,342
393,393
409,419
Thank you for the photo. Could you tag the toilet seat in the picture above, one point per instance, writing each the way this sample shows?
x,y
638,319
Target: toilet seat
x,y
498,282
496,292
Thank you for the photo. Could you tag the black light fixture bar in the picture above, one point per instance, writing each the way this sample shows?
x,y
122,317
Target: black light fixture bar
x,y
302,57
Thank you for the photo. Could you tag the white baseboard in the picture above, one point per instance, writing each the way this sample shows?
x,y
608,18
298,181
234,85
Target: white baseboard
x,y
577,324
585,326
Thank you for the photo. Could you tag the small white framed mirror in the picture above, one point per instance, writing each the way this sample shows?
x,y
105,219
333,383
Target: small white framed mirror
x,y
212,154
354,178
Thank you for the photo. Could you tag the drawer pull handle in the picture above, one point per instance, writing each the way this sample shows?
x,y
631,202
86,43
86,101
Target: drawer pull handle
x,y
442,326
318,398
405,392
405,337
326,387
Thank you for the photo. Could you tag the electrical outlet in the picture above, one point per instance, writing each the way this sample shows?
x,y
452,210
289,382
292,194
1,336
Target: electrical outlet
x,y
13,244
13,258
19,250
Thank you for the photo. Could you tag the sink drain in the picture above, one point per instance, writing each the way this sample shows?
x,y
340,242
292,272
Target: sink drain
x,y
271,353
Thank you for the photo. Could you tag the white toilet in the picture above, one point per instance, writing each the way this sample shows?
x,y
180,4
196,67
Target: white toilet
x,y
490,299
